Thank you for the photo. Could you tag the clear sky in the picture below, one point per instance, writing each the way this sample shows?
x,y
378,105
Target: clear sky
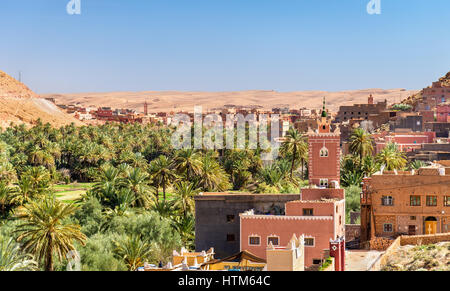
x,y
222,45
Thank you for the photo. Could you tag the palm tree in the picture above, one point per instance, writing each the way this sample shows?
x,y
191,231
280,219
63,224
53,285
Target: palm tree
x,y
138,182
163,174
392,158
13,259
164,209
133,251
417,164
295,148
361,143
6,198
369,166
184,197
188,163
212,177
185,226
45,232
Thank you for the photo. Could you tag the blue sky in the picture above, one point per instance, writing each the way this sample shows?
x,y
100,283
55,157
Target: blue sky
x,y
222,45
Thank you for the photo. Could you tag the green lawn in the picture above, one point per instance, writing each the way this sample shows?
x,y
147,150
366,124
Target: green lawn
x,y
71,192
72,187
169,196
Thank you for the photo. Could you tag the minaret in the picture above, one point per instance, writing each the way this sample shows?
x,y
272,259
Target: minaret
x,y
324,153
324,124
145,108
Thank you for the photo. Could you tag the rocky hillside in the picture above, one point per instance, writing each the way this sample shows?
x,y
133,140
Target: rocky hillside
x,y
20,105
416,98
10,87
420,258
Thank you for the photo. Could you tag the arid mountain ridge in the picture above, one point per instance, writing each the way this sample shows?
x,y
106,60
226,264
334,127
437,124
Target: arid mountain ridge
x,y
20,105
167,101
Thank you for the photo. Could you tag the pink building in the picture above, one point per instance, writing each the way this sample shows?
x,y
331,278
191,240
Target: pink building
x,y
319,215
406,142
443,112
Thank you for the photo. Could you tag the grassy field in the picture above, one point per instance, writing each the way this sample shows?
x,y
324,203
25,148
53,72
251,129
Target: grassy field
x,y
71,192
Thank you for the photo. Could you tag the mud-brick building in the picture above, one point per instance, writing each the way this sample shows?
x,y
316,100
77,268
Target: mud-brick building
x,y
406,203
319,221
360,111
217,217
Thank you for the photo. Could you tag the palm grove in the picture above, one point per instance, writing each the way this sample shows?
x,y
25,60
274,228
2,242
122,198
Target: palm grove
x,y
141,203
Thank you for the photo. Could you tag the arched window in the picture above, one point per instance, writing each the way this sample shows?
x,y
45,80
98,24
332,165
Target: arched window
x,y
324,152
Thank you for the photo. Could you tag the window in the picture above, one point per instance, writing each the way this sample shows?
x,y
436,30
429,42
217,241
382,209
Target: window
x,y
387,227
324,152
412,218
317,262
414,200
324,182
431,200
231,237
387,201
447,201
273,239
309,241
230,218
308,212
254,240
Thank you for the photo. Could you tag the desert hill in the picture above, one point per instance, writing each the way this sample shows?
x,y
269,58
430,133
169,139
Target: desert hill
x,y
20,105
177,100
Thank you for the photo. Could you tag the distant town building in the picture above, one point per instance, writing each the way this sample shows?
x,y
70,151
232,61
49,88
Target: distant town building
x,y
443,112
410,121
406,142
360,111
430,152
432,96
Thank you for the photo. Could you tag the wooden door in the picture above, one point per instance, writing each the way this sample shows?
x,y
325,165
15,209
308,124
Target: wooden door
x,y
430,227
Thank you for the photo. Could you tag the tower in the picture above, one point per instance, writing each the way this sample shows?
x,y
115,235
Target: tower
x,y
145,108
370,101
324,153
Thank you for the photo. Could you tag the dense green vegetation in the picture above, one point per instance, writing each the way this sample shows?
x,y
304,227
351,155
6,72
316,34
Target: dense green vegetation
x,y
402,107
118,194
121,195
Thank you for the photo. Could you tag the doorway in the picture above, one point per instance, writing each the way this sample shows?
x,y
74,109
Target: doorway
x,y
412,230
430,225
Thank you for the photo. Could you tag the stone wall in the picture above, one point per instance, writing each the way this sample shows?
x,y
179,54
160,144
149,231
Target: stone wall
x,y
424,239
352,232
382,260
408,240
